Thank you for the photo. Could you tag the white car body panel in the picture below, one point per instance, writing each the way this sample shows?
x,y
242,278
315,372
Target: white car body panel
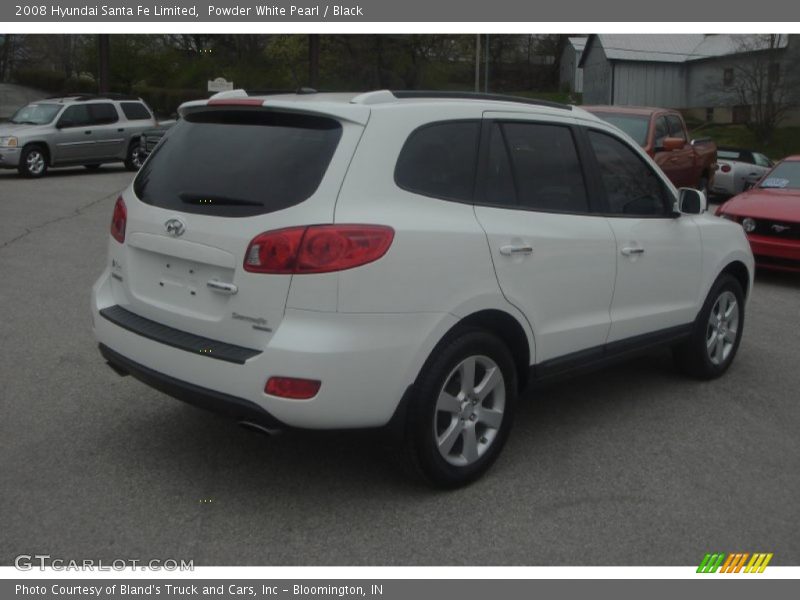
x,y
366,332
656,289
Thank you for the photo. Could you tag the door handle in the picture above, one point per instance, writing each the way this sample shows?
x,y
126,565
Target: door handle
x,y
87,132
515,250
120,130
221,287
628,251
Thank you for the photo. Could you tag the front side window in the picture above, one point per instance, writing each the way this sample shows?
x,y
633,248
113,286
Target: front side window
x,y
535,166
632,187
635,126
439,160
75,116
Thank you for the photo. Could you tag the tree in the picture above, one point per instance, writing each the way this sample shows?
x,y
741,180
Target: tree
x,y
6,42
765,78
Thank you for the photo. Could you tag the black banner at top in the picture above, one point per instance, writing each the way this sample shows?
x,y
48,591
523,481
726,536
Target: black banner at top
x,y
465,11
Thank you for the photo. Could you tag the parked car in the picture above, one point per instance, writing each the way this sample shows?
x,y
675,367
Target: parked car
x,y
74,130
738,169
407,260
770,216
664,136
150,137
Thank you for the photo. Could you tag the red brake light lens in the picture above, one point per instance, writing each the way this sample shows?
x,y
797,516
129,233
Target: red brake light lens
x,y
292,387
725,168
119,220
317,248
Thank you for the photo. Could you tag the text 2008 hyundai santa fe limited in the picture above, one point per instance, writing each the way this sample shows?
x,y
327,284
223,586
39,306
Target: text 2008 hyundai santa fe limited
x,y
406,259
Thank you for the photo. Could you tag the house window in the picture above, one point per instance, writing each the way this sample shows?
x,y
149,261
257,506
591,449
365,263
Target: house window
x,y
727,77
709,114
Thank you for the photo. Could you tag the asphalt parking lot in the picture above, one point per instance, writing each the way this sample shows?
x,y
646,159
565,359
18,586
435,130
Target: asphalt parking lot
x,y
630,466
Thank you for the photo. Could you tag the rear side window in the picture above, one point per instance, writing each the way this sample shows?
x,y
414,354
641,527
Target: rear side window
x,y
134,111
103,114
535,166
238,163
632,187
439,160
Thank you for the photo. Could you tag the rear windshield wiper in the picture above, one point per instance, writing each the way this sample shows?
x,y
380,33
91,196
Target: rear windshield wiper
x,y
202,199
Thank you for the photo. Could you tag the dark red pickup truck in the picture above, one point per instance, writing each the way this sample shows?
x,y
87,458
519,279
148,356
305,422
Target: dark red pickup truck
x,y
663,135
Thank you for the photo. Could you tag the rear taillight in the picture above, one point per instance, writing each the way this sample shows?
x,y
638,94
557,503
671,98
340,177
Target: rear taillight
x,y
118,221
317,248
292,387
725,168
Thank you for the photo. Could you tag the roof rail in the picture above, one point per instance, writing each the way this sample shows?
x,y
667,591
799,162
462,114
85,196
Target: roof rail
x,y
403,94
83,97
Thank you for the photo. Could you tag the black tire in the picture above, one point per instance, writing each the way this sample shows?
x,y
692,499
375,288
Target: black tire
x,y
426,422
93,167
33,162
134,158
700,355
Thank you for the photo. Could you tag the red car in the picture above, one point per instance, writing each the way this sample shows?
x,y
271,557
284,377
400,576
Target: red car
x,y
770,216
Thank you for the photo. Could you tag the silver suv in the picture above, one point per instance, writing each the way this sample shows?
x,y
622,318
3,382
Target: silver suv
x,y
74,130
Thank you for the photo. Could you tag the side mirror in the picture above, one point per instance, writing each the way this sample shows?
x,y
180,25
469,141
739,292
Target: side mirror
x,y
64,123
691,202
672,143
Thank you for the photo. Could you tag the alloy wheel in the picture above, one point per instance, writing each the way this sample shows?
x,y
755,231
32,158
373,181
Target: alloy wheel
x,y
469,410
35,162
722,328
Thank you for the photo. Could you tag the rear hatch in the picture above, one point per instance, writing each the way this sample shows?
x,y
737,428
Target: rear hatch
x,y
221,176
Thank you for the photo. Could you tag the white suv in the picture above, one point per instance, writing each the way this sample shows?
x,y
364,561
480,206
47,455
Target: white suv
x,y
407,260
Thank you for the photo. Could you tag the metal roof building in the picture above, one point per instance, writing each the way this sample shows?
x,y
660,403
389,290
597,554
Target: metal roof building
x,y
570,74
672,71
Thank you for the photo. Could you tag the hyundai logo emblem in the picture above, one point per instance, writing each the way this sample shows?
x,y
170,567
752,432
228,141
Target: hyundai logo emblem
x,y
175,227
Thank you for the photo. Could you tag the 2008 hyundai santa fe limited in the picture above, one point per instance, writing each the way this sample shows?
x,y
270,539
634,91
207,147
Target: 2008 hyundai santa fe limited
x,y
406,259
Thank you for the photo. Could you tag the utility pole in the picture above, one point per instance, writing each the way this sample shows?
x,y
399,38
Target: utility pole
x,y
313,60
104,60
478,62
486,68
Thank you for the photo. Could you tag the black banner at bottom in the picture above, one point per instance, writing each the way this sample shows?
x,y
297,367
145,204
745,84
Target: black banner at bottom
x,y
401,589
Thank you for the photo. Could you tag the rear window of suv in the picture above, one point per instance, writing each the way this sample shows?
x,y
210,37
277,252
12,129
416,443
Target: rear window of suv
x,y
238,163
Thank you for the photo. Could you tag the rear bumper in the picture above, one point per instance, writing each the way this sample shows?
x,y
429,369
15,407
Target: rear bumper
x,y
229,406
365,362
9,158
771,253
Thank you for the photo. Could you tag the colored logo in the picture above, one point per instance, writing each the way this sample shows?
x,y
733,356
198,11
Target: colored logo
x,y
735,563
